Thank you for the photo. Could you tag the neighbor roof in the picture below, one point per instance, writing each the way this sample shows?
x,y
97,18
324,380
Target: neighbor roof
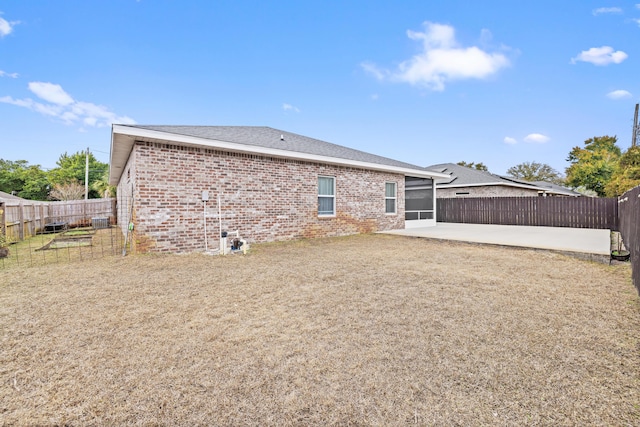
x,y
559,189
459,176
462,176
253,139
7,196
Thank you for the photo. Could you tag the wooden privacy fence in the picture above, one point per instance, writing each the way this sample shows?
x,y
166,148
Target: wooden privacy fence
x,y
574,212
629,213
22,219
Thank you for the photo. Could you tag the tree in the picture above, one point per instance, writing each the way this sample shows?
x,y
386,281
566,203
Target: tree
x,y
593,165
626,175
23,180
473,165
10,175
534,171
102,186
71,168
36,184
71,190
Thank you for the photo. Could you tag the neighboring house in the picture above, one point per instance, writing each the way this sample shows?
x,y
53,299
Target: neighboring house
x,y
466,182
272,185
4,197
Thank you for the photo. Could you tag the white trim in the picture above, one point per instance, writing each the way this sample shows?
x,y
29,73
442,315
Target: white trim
x,y
120,152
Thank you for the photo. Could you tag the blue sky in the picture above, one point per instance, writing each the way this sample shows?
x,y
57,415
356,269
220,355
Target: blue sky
x,y
498,82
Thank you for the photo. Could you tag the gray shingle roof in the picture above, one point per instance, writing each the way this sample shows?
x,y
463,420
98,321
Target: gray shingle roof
x,y
461,176
557,188
263,136
7,196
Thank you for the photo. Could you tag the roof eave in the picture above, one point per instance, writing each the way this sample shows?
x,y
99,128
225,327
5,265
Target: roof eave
x,y
121,149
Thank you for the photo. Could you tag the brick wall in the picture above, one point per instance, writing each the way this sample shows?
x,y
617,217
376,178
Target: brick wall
x,y
264,198
485,191
125,192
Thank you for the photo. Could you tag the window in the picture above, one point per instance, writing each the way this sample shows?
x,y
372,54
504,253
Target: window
x,y
390,198
326,196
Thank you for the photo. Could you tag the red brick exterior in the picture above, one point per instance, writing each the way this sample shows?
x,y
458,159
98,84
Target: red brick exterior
x,y
264,198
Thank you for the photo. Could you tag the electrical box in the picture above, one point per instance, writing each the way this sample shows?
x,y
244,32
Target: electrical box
x,y
205,196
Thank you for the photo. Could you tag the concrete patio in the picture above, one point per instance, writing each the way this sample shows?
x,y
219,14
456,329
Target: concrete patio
x,y
584,242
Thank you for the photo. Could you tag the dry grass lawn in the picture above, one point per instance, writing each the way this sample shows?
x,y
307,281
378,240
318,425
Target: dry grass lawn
x,y
364,330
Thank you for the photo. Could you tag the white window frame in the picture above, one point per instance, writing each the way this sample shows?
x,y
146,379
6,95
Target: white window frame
x,y
394,198
327,196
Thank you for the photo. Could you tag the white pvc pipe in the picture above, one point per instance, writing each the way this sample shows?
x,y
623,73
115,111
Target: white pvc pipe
x,y
220,226
206,246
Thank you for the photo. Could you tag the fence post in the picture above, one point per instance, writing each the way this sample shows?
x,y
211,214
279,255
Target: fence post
x,y
21,219
42,221
3,220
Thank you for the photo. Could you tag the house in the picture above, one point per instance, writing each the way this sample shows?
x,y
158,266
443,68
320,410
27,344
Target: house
x,y
4,197
462,181
271,185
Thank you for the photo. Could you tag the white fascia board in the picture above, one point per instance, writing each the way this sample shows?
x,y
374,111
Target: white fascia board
x,y
528,187
273,152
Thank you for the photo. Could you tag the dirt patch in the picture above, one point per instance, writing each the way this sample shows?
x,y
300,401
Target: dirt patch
x,y
364,330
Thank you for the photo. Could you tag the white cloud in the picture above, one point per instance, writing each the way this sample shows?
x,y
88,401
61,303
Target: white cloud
x,y
536,138
637,21
509,140
441,60
600,56
637,5
5,74
601,10
63,107
6,27
51,93
374,97
619,94
47,110
374,70
289,107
